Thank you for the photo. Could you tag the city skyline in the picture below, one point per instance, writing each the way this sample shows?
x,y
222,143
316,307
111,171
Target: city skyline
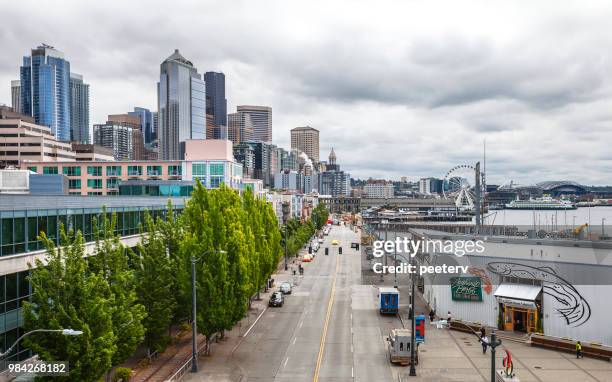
x,y
537,90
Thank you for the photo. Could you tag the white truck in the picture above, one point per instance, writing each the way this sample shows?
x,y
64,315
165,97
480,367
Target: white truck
x,y
399,347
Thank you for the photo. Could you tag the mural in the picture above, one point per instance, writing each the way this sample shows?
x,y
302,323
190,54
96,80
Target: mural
x,y
570,303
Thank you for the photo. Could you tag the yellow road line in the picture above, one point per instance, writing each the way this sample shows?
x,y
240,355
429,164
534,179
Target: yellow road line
x,y
329,310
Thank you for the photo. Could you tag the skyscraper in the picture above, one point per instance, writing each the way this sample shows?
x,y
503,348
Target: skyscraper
x,y
146,123
79,109
261,118
216,103
240,127
306,139
45,89
333,181
16,96
181,104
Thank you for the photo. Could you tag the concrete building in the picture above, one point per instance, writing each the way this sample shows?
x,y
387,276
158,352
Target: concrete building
x,y
23,141
288,180
211,161
92,153
261,119
240,127
379,189
262,166
306,139
45,90
79,110
245,154
181,104
16,95
117,136
430,185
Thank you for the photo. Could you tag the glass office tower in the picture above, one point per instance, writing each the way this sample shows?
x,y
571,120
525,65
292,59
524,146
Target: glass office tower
x,y
45,90
181,106
79,109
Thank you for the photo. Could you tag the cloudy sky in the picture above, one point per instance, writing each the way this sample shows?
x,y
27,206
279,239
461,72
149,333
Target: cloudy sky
x,y
398,88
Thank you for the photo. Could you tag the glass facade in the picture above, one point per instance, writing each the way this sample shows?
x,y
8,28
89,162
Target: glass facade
x,y
14,289
154,170
198,171
175,170
94,183
113,170
50,170
72,171
217,174
134,170
156,190
74,184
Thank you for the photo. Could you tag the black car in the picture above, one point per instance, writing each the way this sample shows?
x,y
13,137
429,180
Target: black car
x,y
276,299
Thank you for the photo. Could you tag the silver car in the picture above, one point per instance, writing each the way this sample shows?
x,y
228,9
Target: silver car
x,y
285,288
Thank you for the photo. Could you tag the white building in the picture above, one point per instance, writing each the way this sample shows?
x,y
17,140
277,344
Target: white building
x,y
379,189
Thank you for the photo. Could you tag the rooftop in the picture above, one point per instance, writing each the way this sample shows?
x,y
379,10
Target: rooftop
x,y
22,202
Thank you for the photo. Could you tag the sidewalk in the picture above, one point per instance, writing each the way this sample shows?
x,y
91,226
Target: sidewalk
x,y
219,365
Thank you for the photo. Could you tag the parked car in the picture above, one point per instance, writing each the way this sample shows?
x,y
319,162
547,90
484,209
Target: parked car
x,y
285,288
307,258
320,240
276,299
335,242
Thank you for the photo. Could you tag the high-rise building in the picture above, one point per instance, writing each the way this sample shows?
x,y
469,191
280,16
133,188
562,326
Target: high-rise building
x,y
45,89
155,128
333,181
121,133
240,127
261,119
430,185
306,139
79,109
245,153
146,123
16,96
181,104
216,103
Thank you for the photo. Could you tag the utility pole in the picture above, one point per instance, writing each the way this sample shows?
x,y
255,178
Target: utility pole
x,y
395,260
478,193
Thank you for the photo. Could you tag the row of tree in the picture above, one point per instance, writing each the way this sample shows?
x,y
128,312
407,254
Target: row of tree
x,y
121,298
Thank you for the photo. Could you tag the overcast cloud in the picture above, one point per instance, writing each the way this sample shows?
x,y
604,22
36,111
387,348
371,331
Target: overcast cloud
x,y
398,88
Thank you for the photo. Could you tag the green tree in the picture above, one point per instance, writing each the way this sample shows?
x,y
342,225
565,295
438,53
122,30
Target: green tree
x,y
66,295
155,285
110,261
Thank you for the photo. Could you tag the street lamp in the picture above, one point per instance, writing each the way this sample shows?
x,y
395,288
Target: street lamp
x,y
65,332
194,325
412,323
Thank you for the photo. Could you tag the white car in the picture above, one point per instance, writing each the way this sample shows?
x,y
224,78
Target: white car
x,y
285,288
320,240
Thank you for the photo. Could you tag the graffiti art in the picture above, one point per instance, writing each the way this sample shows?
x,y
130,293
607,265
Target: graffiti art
x,y
570,303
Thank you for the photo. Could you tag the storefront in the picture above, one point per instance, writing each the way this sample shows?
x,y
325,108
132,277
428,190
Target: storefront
x,y
520,305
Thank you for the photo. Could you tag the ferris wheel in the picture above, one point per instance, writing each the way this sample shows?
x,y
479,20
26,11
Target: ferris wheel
x,y
459,186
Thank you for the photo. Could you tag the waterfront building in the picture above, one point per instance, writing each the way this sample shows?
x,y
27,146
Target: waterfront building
x,y
216,103
211,161
306,139
16,96
430,185
45,90
79,109
181,104
23,140
379,189
340,204
261,120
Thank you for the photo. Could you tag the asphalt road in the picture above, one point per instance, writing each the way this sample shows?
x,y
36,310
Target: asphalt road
x,y
328,329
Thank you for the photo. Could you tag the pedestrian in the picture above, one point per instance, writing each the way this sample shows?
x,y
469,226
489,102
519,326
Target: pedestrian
x,y
448,317
485,342
579,350
432,314
482,331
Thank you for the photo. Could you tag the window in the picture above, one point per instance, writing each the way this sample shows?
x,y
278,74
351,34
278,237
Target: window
x,y
113,170
175,170
50,170
112,183
33,168
94,183
134,170
94,193
94,170
74,184
154,170
198,171
72,171
216,169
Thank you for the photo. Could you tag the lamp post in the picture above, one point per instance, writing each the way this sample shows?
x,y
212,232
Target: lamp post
x,y
65,332
494,344
412,324
602,226
285,242
194,325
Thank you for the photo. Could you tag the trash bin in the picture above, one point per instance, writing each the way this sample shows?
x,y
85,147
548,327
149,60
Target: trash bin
x,y
339,250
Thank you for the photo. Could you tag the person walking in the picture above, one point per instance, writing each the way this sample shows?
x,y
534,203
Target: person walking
x,y
432,314
485,342
579,350
448,317
483,332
